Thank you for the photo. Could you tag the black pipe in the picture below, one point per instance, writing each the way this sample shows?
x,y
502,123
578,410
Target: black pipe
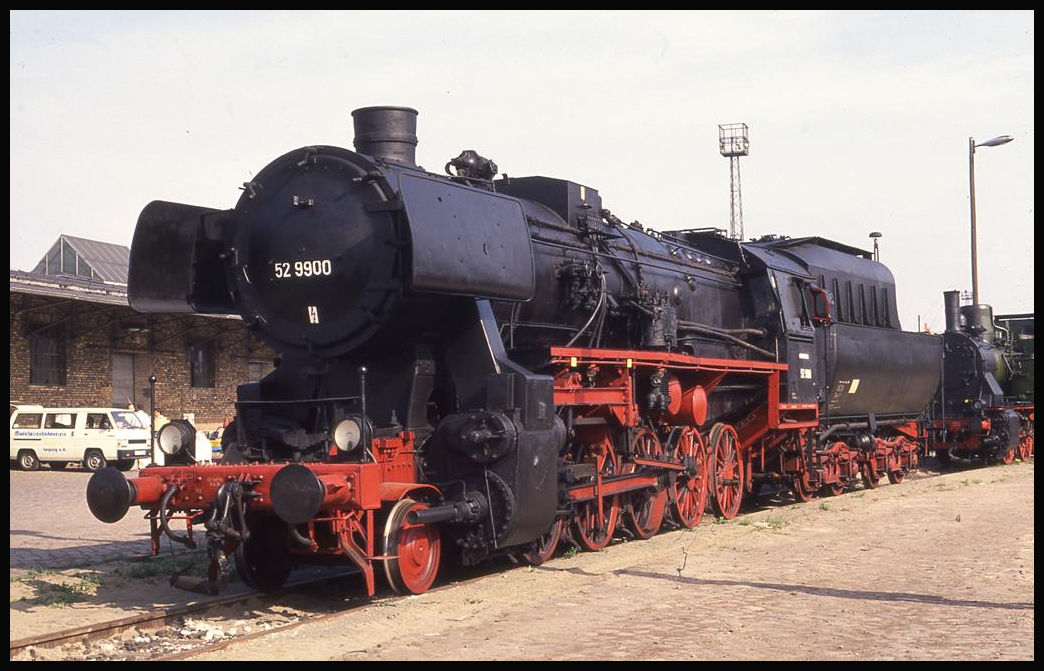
x,y
952,308
387,133
450,513
167,495
858,425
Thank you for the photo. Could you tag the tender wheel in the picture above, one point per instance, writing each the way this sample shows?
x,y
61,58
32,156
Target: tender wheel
x,y
94,461
871,478
836,488
802,488
544,547
1009,457
594,521
1026,446
644,513
414,550
263,562
28,461
728,470
690,487
895,477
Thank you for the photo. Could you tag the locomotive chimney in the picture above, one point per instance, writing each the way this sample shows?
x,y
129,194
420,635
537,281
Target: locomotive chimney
x,y
952,308
387,133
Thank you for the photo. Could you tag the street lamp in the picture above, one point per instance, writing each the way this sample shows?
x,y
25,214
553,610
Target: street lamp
x,y
874,236
1002,139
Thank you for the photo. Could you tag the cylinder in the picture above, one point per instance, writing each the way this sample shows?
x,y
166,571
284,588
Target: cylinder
x,y
387,133
952,307
692,410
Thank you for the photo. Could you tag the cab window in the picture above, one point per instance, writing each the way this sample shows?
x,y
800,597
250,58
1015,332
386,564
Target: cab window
x,y
60,420
28,420
98,420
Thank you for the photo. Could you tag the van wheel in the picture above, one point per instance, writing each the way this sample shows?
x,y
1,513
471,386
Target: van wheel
x,y
94,461
125,464
28,460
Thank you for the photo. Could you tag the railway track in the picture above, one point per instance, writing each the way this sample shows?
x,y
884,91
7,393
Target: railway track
x,y
181,640
168,617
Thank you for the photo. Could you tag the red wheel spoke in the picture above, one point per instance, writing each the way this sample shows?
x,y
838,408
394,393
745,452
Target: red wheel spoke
x,y
728,470
691,486
646,507
594,521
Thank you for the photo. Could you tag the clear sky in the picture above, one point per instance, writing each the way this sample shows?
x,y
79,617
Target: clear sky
x,y
859,121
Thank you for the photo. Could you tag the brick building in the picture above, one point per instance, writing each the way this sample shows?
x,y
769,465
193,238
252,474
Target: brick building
x,y
75,341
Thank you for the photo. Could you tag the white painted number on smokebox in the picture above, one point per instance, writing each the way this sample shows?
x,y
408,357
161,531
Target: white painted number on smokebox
x,y
313,314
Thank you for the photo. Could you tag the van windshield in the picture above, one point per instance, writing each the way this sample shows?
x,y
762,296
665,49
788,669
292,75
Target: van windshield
x,y
125,419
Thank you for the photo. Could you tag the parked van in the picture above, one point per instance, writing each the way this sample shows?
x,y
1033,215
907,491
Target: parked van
x,y
94,437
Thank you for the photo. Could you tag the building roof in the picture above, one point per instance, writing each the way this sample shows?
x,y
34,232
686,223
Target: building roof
x,y
68,286
81,257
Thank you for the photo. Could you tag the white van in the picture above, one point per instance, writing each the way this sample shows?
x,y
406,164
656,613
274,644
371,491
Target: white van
x,y
94,437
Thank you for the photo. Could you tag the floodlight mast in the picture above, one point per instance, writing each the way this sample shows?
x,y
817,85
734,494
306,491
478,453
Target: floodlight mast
x,y
733,143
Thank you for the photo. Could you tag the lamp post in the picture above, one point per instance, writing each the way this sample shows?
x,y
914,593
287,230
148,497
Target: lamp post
x,y
875,236
1002,139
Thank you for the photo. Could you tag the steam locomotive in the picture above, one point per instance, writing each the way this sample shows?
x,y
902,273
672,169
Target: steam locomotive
x,y
984,407
478,365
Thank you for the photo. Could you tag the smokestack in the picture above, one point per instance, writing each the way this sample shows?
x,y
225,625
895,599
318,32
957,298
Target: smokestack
x,y
952,309
387,133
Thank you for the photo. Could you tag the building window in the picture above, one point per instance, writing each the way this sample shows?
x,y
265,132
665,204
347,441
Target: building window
x,y
257,370
47,357
201,364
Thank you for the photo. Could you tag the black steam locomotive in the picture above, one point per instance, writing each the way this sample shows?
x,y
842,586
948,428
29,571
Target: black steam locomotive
x,y
984,407
480,365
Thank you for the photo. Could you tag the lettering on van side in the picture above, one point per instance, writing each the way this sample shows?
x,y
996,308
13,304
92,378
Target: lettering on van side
x,y
37,434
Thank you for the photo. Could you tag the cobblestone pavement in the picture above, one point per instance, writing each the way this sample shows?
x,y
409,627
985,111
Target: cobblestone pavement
x,y
933,569
51,526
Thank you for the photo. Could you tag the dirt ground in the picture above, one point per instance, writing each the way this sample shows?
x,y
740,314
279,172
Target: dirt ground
x,y
935,568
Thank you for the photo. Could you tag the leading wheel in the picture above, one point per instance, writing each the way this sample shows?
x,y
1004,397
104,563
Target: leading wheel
x,y
728,470
263,562
645,510
690,487
413,550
